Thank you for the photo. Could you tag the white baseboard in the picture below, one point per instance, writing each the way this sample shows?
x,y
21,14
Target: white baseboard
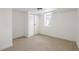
x,y
6,46
19,37
57,37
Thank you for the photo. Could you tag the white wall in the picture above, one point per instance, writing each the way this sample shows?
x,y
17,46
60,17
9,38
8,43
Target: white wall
x,y
18,23
62,25
77,28
5,28
26,24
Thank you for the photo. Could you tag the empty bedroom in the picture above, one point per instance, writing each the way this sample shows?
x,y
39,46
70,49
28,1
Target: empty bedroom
x,y
39,29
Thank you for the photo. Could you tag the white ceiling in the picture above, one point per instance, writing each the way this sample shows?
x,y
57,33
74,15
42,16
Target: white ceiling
x,y
65,9
34,10
44,10
21,9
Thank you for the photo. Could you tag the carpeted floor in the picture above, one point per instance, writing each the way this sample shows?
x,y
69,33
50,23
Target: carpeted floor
x,y
42,43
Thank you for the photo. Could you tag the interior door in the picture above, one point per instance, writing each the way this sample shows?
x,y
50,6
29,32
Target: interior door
x,y
36,24
31,25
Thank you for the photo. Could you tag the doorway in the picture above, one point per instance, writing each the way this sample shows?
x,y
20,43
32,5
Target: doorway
x,y
33,24
36,24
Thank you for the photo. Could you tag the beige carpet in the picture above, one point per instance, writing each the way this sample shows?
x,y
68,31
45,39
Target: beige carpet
x,y
42,43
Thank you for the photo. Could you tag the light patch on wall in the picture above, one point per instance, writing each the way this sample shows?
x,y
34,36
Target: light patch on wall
x,y
47,19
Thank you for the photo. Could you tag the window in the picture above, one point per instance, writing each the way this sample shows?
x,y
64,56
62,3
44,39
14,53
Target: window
x,y
47,19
